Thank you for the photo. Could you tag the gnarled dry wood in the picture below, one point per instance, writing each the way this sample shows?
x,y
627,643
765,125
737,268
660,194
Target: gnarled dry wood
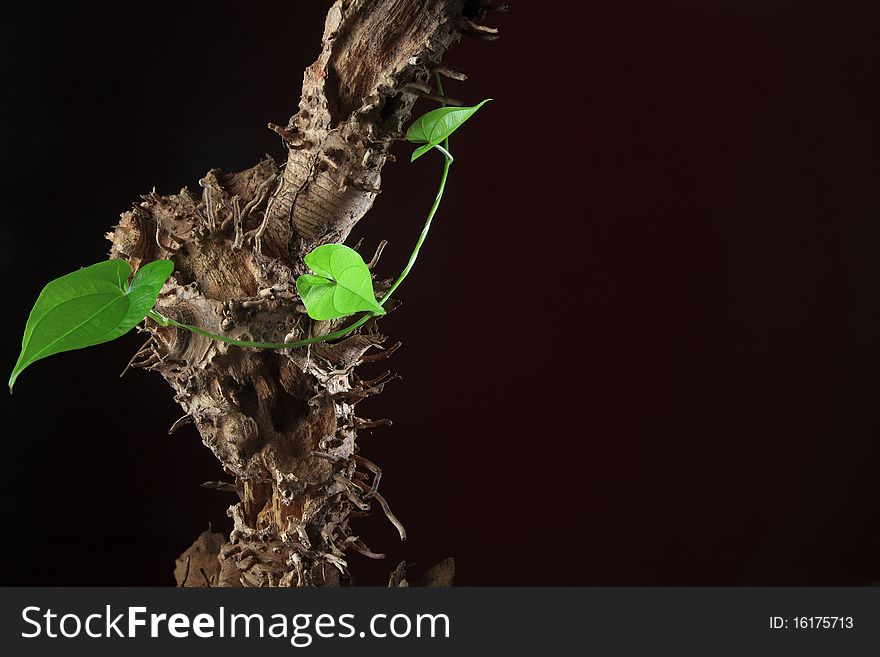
x,y
283,423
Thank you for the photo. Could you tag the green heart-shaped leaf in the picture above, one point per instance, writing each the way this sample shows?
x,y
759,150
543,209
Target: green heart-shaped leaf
x,y
432,128
88,307
342,284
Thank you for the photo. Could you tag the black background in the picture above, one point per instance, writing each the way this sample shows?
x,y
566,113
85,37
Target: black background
x,y
640,347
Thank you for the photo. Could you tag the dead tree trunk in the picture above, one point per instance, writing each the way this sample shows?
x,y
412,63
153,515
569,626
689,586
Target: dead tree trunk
x,y
283,423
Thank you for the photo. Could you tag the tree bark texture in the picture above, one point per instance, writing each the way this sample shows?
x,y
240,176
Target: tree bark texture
x,y
283,423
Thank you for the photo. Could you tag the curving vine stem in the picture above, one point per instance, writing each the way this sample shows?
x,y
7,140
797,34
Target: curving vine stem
x,y
284,423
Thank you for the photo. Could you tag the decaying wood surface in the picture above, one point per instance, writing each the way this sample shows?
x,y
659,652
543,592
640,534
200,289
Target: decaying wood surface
x,y
284,423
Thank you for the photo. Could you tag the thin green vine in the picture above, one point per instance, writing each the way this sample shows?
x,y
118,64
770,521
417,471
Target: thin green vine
x,y
167,321
447,162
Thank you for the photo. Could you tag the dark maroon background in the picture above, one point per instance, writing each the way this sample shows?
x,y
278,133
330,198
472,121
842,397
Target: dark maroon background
x,y
642,345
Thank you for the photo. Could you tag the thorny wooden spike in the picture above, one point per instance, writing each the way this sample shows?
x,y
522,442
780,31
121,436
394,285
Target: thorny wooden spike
x,y
221,486
179,422
259,197
152,359
293,140
166,247
354,499
377,254
470,28
325,455
372,467
425,91
364,550
391,516
258,235
382,355
377,389
363,423
349,488
154,197
350,396
382,378
341,564
139,352
449,72
209,206
418,88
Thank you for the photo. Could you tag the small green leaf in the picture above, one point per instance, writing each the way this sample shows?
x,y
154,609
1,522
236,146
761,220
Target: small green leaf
x,y
435,126
87,307
342,284
142,294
